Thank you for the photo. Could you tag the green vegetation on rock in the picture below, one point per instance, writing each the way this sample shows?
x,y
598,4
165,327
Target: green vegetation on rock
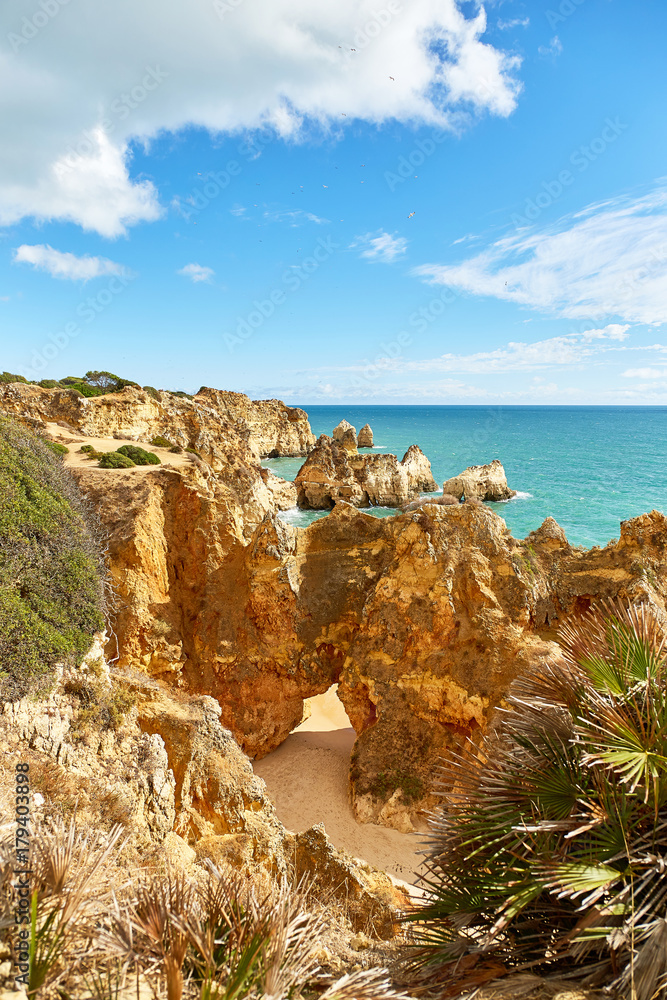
x,y
550,851
138,455
115,460
161,442
51,573
56,447
8,377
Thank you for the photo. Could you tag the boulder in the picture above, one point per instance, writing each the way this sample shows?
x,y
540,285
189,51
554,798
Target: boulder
x,y
372,901
331,473
365,437
482,482
346,435
447,500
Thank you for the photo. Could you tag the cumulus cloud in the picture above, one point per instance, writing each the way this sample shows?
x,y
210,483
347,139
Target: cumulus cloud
x,y
73,110
66,265
380,246
196,272
609,260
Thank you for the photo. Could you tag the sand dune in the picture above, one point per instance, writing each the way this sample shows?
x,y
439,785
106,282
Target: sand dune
x,y
307,779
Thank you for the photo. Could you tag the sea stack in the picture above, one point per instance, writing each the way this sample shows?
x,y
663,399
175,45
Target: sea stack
x,y
365,438
346,435
480,482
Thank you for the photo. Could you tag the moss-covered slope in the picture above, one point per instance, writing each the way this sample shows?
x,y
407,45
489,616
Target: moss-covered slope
x,y
51,589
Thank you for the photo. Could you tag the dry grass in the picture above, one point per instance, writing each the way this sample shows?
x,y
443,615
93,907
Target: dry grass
x,y
97,934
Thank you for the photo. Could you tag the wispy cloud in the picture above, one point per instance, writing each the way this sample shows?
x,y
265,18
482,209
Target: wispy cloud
x,y
197,272
554,48
380,246
514,22
609,260
569,350
238,210
294,218
66,265
645,373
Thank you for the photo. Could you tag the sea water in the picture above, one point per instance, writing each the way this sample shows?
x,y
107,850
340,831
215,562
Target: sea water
x,y
589,467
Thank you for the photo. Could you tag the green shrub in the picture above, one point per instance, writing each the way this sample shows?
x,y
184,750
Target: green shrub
x,y
193,451
179,392
115,460
86,447
56,447
139,455
49,383
152,391
161,442
51,573
8,377
176,449
551,851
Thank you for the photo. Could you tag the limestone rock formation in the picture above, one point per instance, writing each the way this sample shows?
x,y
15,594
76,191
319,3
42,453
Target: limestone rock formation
x,y
446,500
330,473
365,437
481,482
423,619
216,424
346,435
370,897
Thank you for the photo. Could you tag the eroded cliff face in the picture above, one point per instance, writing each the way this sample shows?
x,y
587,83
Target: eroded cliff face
x,y
225,428
422,619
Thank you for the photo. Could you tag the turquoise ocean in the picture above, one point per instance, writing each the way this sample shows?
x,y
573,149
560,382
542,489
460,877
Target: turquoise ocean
x,y
588,467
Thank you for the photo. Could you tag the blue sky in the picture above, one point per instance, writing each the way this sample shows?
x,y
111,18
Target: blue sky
x,y
355,201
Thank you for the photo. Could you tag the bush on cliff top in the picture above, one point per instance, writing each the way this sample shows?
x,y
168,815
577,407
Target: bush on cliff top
x,y
114,460
139,455
51,573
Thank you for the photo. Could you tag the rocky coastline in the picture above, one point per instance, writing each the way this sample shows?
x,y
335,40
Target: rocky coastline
x,y
228,619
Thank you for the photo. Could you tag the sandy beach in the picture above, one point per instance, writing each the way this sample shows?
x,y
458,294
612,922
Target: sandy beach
x,y
307,779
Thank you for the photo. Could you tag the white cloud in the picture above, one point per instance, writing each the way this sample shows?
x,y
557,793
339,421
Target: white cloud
x,y
287,64
294,218
645,373
238,210
197,272
381,246
569,350
515,22
554,48
609,260
66,265
614,331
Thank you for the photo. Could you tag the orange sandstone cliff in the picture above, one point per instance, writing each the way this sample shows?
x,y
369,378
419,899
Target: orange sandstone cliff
x,y
423,619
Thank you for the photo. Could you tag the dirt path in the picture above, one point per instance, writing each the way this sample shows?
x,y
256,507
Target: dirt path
x,y
77,459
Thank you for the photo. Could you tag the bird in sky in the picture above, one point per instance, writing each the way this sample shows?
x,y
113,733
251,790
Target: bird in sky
x,y
410,215
391,78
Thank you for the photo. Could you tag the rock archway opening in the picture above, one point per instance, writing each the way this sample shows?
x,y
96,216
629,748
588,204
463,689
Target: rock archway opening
x,y
307,778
